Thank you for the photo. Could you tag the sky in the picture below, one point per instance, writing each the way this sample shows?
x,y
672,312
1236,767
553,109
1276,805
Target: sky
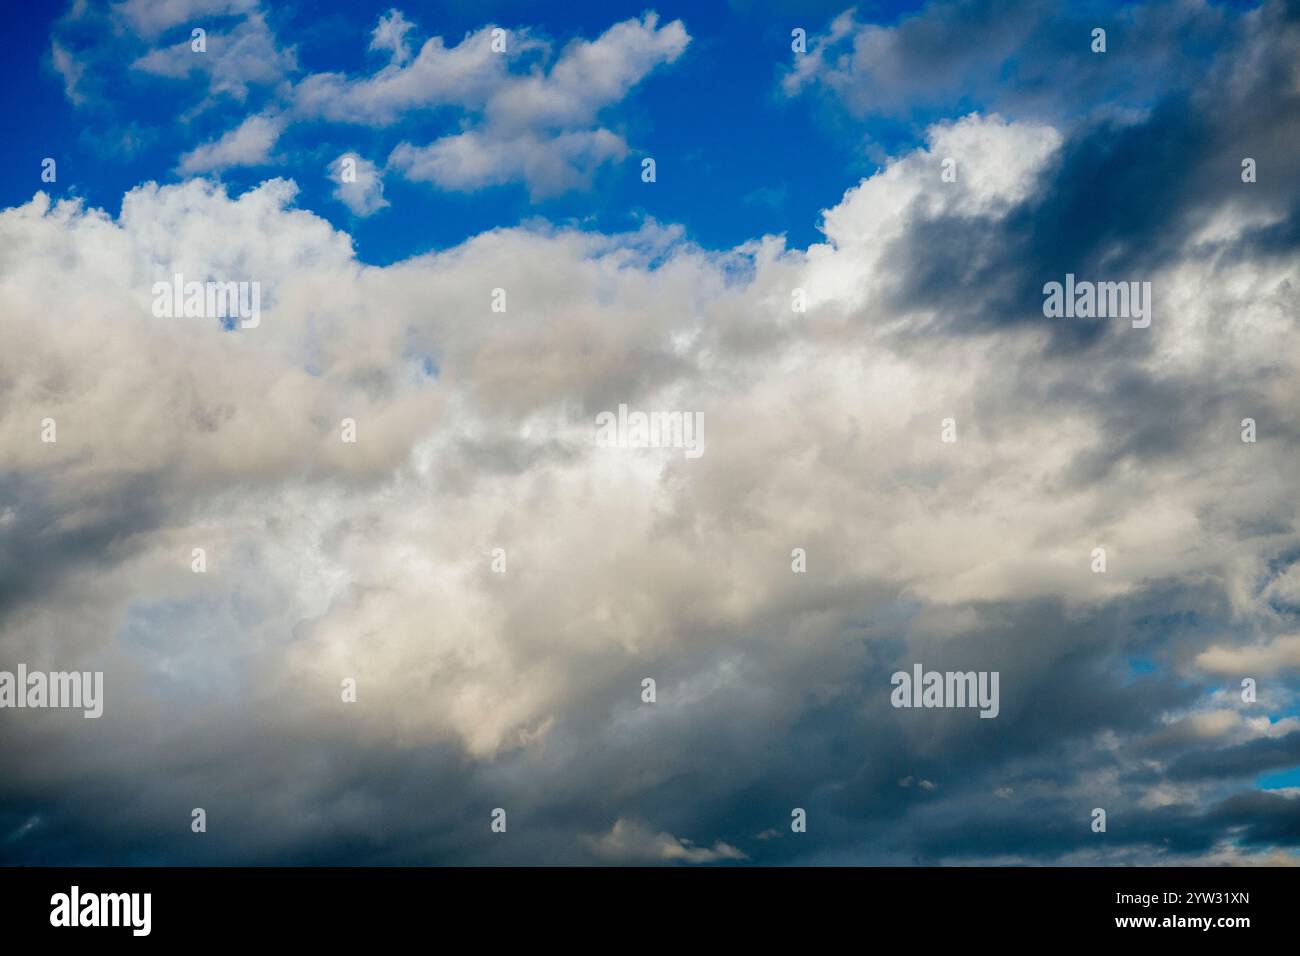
x,y
430,589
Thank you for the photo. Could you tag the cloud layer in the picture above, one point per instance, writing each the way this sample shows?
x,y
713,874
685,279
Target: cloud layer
x,y
522,690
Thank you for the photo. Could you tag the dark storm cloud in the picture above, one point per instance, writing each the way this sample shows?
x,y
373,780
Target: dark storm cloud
x,y
40,547
1243,760
1123,197
1263,817
730,750
1120,203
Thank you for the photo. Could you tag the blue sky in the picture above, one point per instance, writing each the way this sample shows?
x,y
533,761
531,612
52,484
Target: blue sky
x,y
735,159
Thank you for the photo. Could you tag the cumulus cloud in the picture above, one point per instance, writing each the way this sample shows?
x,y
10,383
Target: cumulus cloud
x,y
588,75
371,560
359,184
538,127
248,144
1279,654
439,75
525,114
472,160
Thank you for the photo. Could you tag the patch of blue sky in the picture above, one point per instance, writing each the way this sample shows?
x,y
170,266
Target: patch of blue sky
x,y
736,158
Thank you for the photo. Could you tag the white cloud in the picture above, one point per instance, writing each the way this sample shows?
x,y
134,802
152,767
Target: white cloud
x,y
589,75
537,127
463,75
1252,660
631,842
248,144
529,114
71,69
471,160
808,66
234,60
359,184
372,559
151,17
390,35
